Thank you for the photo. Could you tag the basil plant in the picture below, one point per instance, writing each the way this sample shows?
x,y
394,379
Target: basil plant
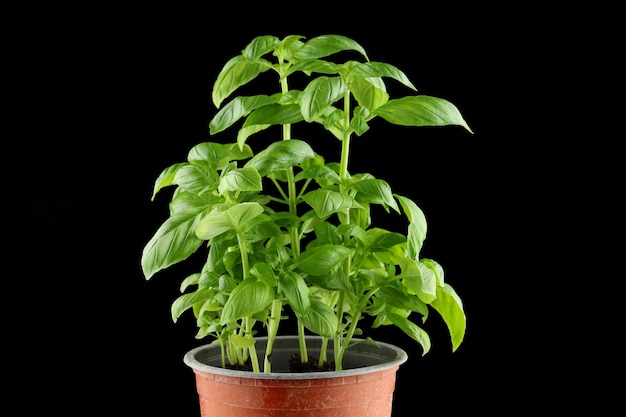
x,y
288,232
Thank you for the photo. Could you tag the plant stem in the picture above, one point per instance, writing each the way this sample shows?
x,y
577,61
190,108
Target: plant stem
x,y
223,352
243,250
323,349
252,349
248,323
237,353
304,355
293,231
343,175
272,331
291,183
348,336
339,334
345,142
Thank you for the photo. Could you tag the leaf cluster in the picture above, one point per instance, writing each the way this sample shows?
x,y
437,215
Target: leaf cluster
x,y
289,234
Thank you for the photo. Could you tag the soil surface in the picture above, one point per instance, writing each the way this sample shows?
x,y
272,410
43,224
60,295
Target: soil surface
x,y
295,365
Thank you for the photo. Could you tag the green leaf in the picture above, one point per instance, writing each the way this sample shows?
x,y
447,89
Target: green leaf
x,y
246,215
213,224
245,132
289,45
381,69
281,155
192,279
321,259
240,179
260,46
194,180
358,232
262,230
412,330
173,242
396,296
319,66
370,93
235,73
274,114
327,233
249,297
186,301
327,202
263,272
333,121
419,279
217,155
321,319
325,45
358,124
190,204
235,109
384,239
449,306
297,293
321,173
417,226
319,95
166,178
334,280
375,191
421,111
243,342
239,218
435,269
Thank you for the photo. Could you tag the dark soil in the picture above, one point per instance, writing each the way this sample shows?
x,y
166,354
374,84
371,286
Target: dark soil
x,y
295,365
239,367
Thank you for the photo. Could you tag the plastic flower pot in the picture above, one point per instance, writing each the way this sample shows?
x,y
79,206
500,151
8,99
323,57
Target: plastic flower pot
x,y
364,388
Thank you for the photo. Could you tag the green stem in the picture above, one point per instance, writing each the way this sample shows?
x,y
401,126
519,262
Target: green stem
x,y
338,340
339,353
238,353
248,322
291,183
293,231
272,331
252,349
245,264
285,199
345,141
223,352
304,355
323,350
343,175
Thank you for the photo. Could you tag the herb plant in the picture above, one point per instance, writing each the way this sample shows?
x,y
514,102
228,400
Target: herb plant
x,y
288,233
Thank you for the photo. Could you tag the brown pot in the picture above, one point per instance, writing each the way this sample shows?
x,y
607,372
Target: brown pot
x,y
364,388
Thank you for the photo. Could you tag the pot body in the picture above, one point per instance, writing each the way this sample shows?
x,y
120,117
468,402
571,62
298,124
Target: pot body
x,y
364,388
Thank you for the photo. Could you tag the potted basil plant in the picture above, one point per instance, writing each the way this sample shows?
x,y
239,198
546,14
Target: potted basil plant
x,y
287,233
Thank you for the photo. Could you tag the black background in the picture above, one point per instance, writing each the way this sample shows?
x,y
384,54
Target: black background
x,y
524,215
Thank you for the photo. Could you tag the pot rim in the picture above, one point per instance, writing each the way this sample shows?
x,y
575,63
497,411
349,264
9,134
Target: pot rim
x,y
390,356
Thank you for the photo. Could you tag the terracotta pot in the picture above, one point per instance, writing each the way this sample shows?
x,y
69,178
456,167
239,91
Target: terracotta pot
x,y
364,388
